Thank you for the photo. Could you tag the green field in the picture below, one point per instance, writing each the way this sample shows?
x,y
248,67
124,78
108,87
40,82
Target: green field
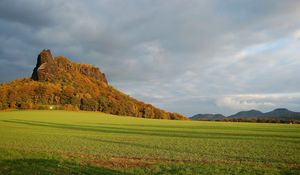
x,y
59,142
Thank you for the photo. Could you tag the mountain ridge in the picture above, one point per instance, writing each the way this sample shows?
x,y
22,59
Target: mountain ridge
x,y
279,113
247,114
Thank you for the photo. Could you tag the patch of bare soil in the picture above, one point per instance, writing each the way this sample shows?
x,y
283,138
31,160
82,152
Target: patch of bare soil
x,y
117,162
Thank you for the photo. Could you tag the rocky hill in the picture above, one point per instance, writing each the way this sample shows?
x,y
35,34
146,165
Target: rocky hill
x,y
56,69
58,83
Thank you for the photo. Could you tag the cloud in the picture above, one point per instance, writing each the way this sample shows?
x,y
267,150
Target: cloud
x,y
259,101
186,53
297,34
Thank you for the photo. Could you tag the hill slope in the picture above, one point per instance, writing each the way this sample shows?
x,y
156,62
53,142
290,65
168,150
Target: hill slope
x,y
247,114
283,113
207,117
57,82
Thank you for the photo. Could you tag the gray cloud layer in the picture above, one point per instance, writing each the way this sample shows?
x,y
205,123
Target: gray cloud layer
x,y
185,56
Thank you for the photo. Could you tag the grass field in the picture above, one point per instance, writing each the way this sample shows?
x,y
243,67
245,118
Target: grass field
x,y
59,142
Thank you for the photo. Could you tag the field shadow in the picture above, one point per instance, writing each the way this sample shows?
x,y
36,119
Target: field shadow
x,y
158,132
287,130
130,144
49,167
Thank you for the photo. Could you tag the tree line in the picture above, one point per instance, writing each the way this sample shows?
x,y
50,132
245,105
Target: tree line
x,y
82,93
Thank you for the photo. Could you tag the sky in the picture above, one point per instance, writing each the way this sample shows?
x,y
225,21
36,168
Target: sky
x,y
185,56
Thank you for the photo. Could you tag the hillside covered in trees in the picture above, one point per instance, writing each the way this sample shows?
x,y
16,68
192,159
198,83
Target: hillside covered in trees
x,y
58,83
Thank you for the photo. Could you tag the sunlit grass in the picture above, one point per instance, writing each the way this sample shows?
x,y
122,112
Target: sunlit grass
x,y
92,143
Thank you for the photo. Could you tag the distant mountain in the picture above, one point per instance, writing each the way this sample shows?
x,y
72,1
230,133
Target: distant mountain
x,y
280,113
283,113
247,114
58,83
207,117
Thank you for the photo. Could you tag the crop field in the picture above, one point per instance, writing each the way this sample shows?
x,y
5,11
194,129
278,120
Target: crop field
x,y
60,142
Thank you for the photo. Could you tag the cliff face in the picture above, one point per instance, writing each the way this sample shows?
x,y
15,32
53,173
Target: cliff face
x,y
49,68
57,81
41,70
92,72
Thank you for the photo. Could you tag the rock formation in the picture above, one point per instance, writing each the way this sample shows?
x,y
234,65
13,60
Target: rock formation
x,y
40,72
49,68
